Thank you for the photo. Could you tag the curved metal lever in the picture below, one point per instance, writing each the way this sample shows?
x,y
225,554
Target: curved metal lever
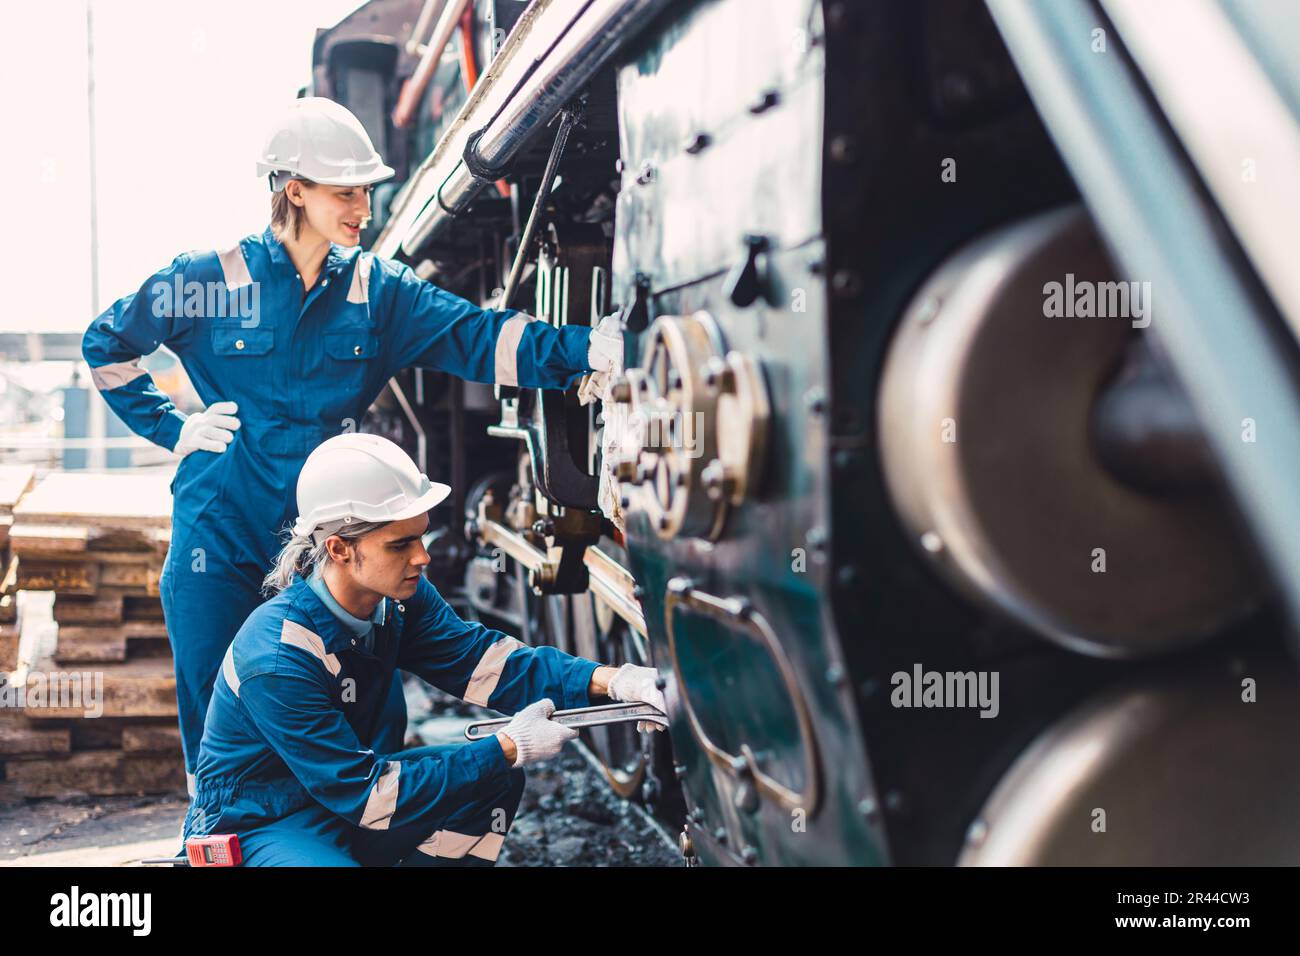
x,y
740,613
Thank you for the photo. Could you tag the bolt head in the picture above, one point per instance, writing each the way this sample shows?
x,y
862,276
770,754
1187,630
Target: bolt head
x,y
843,149
846,283
698,143
718,375
621,390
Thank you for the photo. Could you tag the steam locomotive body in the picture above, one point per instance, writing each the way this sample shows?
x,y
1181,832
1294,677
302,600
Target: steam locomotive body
x,y
950,481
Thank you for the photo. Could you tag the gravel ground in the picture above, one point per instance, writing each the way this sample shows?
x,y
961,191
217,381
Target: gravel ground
x,y
569,817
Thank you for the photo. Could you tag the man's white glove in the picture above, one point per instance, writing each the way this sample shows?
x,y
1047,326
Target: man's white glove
x,y
535,735
638,684
209,430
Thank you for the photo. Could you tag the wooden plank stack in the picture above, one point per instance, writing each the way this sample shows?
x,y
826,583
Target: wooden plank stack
x,y
54,758
15,481
98,542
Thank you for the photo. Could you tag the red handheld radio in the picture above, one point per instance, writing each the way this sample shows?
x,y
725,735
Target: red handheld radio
x,y
215,849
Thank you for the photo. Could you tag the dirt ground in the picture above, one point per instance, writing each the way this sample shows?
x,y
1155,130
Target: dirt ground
x,y
90,831
568,816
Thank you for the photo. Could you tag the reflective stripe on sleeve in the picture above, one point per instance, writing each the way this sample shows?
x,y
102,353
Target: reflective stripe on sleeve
x,y
382,802
488,671
234,269
228,670
298,636
506,366
116,374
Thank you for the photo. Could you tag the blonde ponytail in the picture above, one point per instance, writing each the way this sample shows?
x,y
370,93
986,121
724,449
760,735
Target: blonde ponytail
x,y
302,555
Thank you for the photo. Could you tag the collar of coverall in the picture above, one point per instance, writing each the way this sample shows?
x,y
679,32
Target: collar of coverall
x,y
358,626
334,634
335,259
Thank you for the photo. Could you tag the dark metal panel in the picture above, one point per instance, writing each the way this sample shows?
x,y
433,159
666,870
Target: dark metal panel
x,y
720,130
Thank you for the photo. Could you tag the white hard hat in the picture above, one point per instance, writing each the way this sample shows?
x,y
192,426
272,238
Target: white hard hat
x,y
319,140
357,477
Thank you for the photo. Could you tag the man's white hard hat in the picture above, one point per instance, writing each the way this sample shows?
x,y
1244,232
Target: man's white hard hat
x,y
320,140
358,477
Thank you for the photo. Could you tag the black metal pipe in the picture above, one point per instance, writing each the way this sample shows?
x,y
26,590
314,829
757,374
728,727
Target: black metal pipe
x,y
567,121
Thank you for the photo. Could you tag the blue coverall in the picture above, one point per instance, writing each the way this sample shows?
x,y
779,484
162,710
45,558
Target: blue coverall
x,y
288,760
302,369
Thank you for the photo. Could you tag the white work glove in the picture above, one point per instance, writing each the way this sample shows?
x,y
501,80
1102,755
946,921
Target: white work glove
x,y
622,436
592,386
637,684
209,430
605,347
604,358
535,735
609,496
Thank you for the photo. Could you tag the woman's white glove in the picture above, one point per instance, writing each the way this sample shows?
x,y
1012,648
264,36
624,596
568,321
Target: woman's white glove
x,y
604,358
209,430
535,735
592,386
605,346
640,685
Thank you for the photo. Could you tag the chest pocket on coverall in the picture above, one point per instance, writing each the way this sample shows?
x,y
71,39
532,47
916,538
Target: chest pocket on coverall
x,y
351,345
232,341
350,355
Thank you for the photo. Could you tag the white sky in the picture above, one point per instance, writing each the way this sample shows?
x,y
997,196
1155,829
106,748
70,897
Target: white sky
x,y
184,93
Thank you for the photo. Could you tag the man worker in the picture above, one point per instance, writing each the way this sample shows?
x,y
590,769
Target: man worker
x,y
287,761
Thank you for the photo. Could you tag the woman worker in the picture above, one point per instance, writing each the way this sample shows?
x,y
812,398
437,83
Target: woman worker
x,y
288,336
284,763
